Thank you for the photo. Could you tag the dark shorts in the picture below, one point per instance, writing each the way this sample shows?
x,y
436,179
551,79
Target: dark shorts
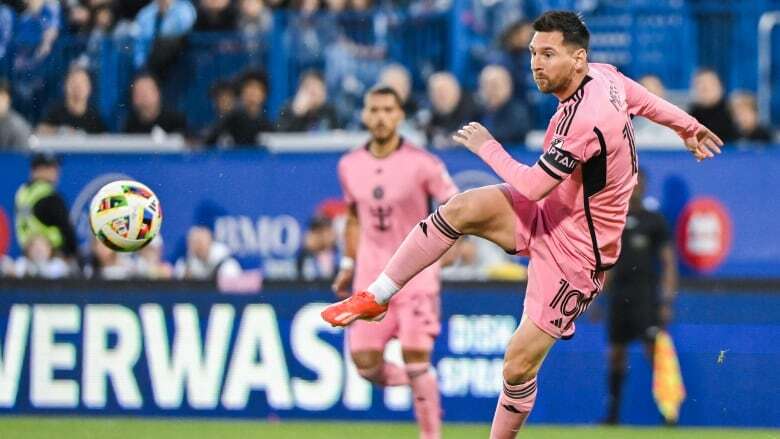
x,y
630,320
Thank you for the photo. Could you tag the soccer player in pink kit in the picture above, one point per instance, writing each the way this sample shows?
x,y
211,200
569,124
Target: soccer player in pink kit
x,y
566,212
388,185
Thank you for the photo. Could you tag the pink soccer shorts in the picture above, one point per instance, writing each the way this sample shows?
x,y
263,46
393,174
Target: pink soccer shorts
x,y
560,286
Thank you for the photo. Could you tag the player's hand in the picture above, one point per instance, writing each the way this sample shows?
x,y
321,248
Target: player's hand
x,y
342,283
704,145
473,136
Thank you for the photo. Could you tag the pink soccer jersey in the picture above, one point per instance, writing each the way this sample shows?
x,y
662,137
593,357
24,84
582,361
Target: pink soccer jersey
x,y
571,205
593,129
392,195
591,157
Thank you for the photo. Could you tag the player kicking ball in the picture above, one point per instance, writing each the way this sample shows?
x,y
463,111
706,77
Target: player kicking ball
x,y
388,184
566,212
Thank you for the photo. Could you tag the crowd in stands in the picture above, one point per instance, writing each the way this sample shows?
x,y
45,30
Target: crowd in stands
x,y
329,40
341,48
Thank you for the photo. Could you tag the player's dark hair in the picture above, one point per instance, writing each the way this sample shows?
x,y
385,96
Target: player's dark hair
x,y
382,89
568,23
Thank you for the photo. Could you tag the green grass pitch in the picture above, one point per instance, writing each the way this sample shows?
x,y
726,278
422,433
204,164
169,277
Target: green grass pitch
x,y
121,428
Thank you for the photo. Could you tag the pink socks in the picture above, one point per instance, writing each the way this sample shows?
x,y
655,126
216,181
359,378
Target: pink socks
x,y
423,246
425,391
427,406
514,406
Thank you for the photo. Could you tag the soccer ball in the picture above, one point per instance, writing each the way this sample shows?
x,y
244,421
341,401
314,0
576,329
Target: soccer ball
x,y
125,215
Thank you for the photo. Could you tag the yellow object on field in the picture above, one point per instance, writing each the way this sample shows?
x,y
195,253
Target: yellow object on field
x,y
507,271
668,387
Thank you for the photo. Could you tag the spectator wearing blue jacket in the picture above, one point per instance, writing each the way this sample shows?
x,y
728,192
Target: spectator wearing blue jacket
x,y
160,28
36,30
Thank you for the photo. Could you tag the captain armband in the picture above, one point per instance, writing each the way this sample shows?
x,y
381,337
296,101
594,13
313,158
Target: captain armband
x,y
557,162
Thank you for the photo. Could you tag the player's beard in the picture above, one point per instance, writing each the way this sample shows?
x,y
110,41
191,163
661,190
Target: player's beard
x,y
543,87
382,134
551,86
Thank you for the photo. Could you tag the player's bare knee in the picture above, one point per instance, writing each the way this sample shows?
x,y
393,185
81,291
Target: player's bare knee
x,y
462,212
416,356
519,369
366,360
454,211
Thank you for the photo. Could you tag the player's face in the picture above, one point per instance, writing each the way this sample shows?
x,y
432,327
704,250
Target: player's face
x,y
381,115
553,63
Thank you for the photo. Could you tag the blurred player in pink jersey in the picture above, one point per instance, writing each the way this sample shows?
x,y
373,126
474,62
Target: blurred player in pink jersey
x,y
388,184
566,212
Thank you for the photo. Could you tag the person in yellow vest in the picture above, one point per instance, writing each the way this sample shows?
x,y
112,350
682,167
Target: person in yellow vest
x,y
41,211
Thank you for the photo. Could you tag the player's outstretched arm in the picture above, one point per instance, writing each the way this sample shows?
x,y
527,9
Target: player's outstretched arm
x,y
531,181
699,140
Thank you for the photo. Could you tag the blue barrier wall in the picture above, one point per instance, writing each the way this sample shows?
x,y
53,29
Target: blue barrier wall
x,y
192,353
259,203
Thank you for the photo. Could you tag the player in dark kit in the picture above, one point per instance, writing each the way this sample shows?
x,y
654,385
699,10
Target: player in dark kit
x,y
642,287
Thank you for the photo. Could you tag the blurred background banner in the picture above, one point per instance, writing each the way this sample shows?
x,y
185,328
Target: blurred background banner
x,y
723,212
199,353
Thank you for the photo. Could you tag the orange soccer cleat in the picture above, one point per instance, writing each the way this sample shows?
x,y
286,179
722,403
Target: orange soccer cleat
x,y
360,306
